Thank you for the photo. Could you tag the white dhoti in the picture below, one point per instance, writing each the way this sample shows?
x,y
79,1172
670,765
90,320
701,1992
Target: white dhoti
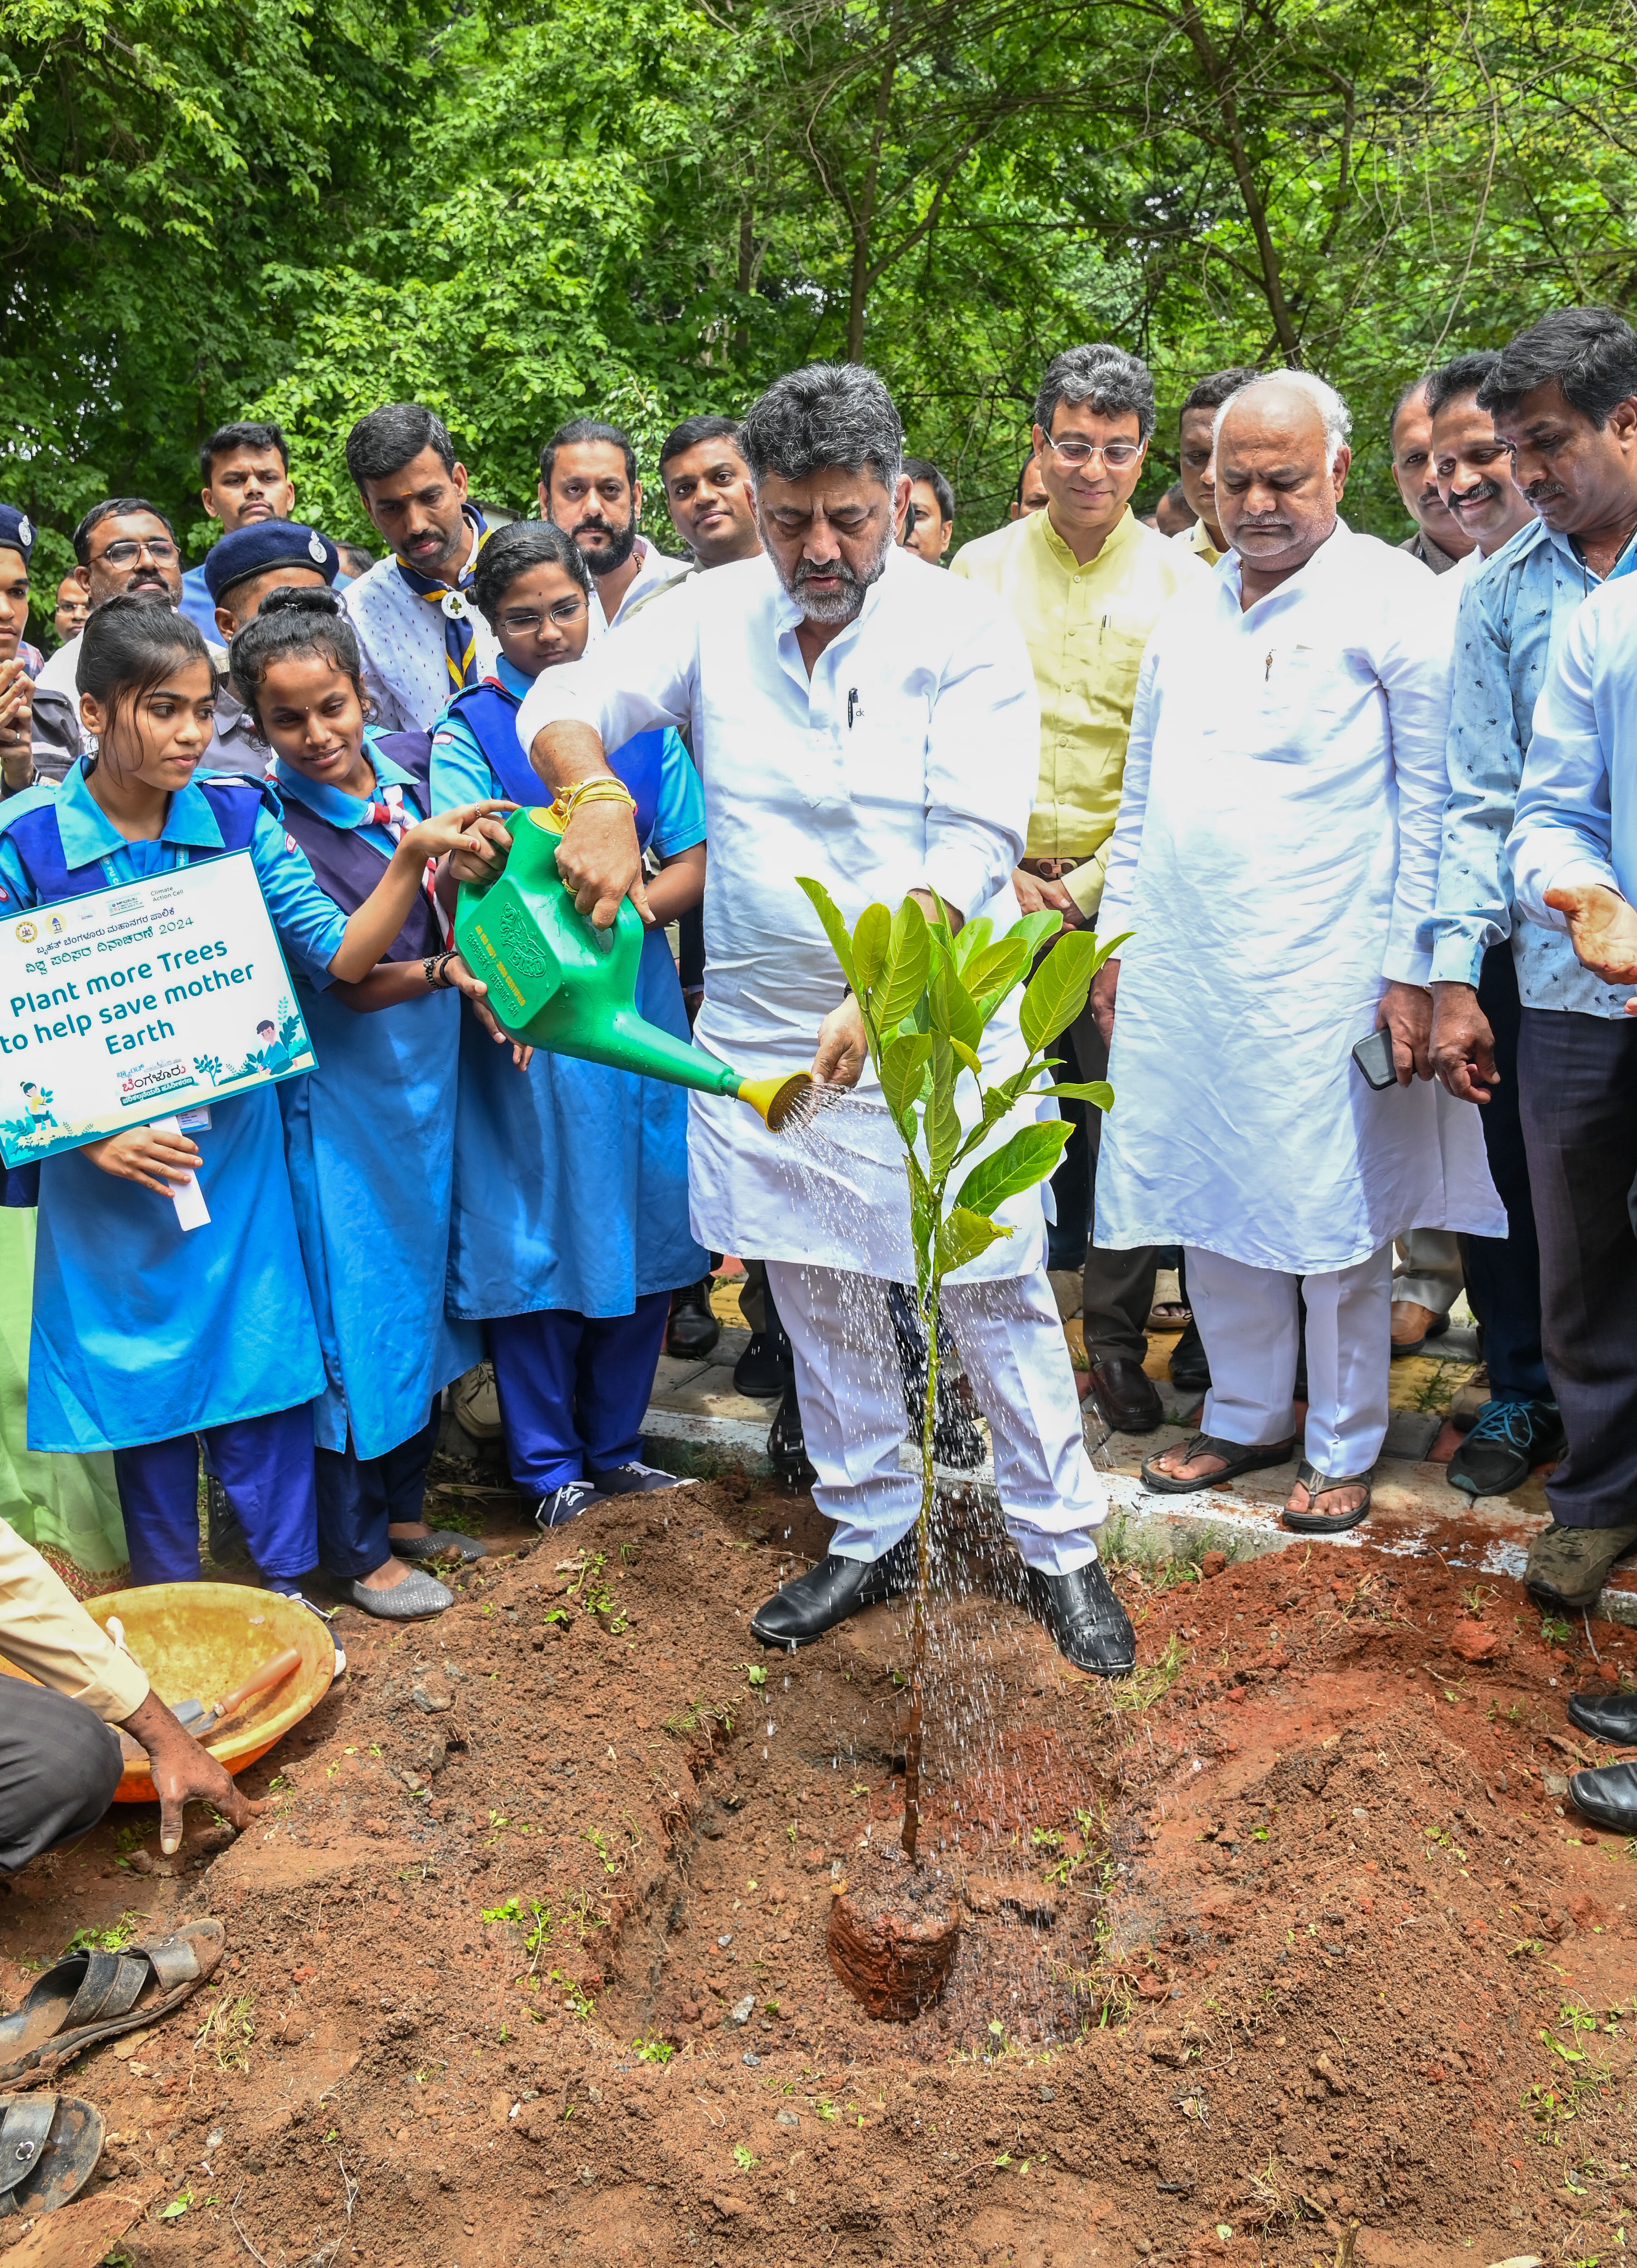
x,y
1248,1320
849,1386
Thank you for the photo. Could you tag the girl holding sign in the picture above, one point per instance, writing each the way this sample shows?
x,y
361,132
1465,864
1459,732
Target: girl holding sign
x,y
570,1254
145,1337
370,1135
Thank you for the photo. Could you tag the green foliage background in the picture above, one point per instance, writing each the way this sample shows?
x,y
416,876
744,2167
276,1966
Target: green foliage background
x,y
515,212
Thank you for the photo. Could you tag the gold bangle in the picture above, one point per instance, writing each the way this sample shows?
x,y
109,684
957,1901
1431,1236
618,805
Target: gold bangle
x,y
605,789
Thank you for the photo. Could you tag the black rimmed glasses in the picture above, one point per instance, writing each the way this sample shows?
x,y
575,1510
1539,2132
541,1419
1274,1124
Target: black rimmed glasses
x,y
159,550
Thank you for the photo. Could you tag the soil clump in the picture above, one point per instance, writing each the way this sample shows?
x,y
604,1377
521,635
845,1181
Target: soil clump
x,y
527,1948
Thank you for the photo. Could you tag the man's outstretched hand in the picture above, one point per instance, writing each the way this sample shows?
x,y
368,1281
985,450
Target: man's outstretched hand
x,y
183,1772
1602,929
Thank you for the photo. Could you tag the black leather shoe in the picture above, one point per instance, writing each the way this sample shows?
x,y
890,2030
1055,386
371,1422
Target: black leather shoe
x,y
1088,1624
1190,1372
787,1443
1608,1796
827,1594
765,1368
692,1330
1125,1395
1610,1716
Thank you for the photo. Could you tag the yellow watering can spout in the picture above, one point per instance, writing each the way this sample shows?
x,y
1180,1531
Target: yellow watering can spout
x,y
564,985
777,1102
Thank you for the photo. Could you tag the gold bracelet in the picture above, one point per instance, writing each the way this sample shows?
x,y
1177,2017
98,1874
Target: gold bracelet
x,y
605,789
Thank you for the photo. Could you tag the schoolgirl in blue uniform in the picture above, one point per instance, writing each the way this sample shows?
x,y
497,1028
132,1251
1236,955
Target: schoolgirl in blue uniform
x,y
570,1218
144,1336
370,1134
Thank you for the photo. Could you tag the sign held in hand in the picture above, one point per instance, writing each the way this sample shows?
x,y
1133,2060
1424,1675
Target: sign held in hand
x,y
133,1004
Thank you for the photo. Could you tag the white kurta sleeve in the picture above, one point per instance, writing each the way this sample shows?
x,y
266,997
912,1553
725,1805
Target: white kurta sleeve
x,y
1413,662
1114,913
1561,830
632,681
983,746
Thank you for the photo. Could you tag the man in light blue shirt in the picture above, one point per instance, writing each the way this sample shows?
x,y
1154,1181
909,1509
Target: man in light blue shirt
x,y
1515,1014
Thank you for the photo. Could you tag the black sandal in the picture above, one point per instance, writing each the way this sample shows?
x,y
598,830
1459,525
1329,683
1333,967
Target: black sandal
x,y
1242,1457
88,1997
1317,1485
49,2146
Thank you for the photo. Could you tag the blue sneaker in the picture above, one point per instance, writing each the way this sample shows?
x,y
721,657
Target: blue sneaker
x,y
1508,1441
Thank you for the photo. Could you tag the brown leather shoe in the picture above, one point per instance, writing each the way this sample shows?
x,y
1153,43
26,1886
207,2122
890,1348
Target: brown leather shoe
x,y
1125,1395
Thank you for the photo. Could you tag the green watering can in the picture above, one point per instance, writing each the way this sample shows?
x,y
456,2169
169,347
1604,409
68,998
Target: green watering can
x,y
564,985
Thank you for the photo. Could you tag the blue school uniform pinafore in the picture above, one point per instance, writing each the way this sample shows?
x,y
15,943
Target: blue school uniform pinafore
x,y
570,1185
370,1137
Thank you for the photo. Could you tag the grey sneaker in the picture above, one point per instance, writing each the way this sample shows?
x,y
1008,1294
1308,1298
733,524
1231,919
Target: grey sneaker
x,y
417,1596
1568,1566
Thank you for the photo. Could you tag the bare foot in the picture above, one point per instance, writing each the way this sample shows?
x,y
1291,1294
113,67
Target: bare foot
x,y
388,1575
1176,1465
1336,1501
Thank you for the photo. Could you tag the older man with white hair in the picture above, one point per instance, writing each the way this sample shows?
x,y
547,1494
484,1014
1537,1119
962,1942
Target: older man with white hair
x,y
1274,860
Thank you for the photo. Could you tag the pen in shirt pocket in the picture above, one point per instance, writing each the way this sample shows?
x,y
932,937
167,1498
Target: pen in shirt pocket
x,y
855,707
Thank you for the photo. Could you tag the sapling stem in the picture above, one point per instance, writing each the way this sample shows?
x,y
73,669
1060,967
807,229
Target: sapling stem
x,y
924,1568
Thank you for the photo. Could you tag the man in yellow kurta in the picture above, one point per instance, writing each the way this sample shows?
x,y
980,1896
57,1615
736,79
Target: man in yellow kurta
x,y
1085,582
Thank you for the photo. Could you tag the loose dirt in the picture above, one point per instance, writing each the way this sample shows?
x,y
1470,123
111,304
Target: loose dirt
x,y
527,1955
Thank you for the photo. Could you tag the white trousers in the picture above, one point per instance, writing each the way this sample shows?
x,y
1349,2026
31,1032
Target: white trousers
x,y
1429,1270
1247,1318
848,1382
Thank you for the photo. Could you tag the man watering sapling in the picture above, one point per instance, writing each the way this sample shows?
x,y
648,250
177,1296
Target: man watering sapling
x,y
860,719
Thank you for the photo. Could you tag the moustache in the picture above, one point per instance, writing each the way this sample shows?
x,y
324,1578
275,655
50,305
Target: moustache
x,y
1480,492
602,527
810,570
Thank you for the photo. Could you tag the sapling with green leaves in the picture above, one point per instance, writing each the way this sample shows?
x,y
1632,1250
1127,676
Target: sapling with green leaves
x,y
926,995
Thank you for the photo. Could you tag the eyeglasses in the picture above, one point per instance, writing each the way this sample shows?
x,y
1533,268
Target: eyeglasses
x,y
122,554
1115,454
522,625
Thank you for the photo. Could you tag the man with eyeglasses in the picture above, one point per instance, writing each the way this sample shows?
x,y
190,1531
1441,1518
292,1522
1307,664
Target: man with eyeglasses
x,y
1086,583
124,545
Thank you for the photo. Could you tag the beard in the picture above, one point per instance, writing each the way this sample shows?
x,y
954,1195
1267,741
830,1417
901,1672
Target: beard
x,y
832,607
611,555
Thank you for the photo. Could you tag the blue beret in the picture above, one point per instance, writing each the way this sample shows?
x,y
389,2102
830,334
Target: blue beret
x,y
267,543
16,531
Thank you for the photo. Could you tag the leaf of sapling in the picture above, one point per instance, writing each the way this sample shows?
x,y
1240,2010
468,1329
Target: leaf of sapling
x,y
953,1008
904,979
973,938
967,1058
943,1119
963,1236
1096,1091
904,1061
1037,930
871,937
997,969
1032,1154
834,928
1057,991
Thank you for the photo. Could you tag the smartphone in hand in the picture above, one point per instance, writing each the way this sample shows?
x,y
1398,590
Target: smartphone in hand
x,y
1374,1057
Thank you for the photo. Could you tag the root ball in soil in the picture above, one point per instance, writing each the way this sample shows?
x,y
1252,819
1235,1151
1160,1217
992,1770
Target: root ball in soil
x,y
893,1932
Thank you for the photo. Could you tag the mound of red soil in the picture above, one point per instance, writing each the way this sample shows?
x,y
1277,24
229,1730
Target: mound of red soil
x,y
527,1948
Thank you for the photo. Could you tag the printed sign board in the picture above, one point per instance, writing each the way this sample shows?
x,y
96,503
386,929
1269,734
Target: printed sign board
x,y
140,1001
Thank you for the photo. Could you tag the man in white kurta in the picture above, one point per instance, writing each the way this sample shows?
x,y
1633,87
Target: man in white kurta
x,y
859,719
1275,855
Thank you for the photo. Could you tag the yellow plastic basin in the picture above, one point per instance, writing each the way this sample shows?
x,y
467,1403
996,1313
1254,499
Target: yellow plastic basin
x,y
199,1640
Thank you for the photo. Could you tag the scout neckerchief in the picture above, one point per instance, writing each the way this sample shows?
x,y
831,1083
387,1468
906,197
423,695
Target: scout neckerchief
x,y
459,643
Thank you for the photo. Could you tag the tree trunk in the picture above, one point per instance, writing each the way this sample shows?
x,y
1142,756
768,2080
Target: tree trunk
x,y
1256,212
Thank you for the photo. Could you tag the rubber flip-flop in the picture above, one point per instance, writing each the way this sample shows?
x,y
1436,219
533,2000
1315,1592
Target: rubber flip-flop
x,y
1253,1457
1319,1485
49,2146
88,1997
